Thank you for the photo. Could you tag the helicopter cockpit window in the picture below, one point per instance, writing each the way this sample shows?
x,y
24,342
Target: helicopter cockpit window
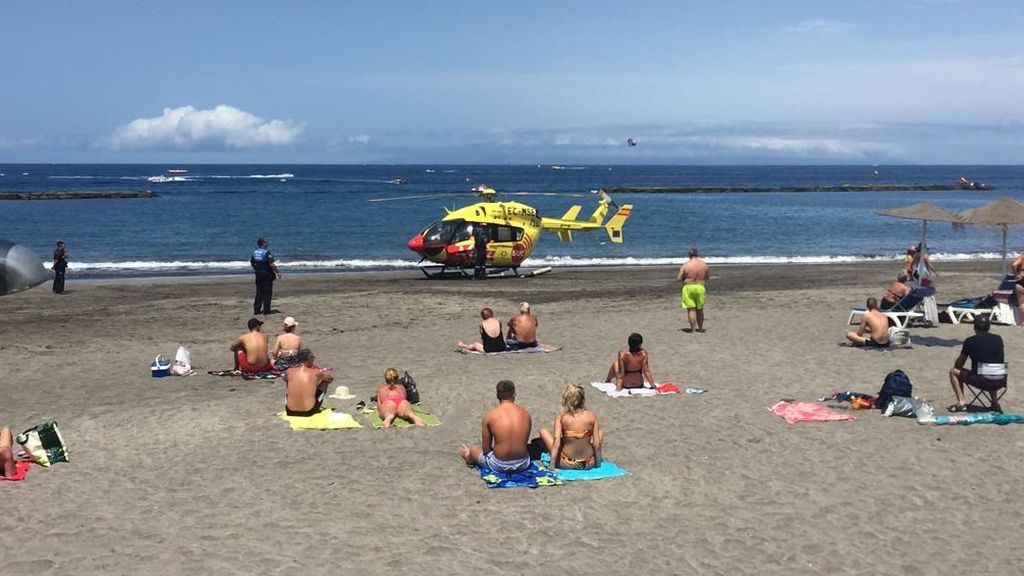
x,y
461,232
507,234
441,232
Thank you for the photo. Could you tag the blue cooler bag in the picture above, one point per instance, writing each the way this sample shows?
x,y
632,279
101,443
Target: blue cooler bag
x,y
160,367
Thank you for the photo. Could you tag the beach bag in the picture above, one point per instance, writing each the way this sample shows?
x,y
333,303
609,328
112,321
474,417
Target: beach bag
x,y
896,384
182,362
412,393
899,337
160,367
44,444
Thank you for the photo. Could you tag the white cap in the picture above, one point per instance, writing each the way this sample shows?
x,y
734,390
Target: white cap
x,y
290,322
524,307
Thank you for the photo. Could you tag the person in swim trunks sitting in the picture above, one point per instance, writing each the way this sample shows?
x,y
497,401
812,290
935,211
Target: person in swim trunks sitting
x,y
576,441
630,368
873,331
505,432
490,334
251,350
522,329
392,403
895,292
694,275
305,386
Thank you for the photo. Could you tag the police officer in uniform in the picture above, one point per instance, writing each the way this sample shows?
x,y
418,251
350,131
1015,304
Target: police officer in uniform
x,y
263,264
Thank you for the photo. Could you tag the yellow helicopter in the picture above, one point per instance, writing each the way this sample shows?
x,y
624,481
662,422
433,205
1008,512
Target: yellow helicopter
x,y
510,230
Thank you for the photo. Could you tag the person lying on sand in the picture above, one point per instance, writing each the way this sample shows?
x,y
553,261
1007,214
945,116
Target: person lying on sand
x,y
306,386
873,331
490,334
286,346
250,350
522,329
630,367
392,403
505,431
575,443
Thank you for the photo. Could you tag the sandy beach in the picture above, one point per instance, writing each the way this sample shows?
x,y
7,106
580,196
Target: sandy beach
x,y
197,476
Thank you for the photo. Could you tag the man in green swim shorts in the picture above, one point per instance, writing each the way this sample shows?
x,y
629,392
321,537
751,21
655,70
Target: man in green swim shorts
x,y
694,275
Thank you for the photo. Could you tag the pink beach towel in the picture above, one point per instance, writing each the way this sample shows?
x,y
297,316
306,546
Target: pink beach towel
x,y
795,412
20,471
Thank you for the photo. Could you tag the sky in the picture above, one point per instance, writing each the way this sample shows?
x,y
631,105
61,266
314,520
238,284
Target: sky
x,y
471,82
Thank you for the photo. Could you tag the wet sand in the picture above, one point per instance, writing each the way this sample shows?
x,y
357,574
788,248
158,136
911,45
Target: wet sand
x,y
195,475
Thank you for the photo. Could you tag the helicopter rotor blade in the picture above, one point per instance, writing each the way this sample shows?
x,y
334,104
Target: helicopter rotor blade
x,y
564,194
419,197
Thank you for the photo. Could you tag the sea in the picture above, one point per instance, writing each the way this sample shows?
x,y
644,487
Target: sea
x,y
319,218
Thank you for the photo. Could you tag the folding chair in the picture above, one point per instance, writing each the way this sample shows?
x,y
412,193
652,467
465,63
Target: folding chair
x,y
899,315
989,385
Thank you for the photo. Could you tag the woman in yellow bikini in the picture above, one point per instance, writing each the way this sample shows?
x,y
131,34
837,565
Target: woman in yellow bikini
x,y
576,441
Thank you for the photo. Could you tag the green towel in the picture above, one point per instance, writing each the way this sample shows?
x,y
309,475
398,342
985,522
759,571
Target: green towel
x,y
375,420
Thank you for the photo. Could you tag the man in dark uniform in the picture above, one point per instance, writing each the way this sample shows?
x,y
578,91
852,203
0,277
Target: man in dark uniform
x,y
480,247
263,264
60,267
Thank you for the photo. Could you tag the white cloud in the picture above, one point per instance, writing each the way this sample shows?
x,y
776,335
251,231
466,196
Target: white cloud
x,y
821,26
221,127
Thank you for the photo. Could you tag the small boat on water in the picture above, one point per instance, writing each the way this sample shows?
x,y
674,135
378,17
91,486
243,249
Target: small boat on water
x,y
965,184
173,175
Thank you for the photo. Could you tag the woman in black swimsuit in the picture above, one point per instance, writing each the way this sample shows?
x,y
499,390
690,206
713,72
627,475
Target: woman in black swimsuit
x,y
490,335
630,369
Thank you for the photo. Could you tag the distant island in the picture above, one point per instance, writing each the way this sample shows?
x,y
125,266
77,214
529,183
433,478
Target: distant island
x,y
77,195
821,188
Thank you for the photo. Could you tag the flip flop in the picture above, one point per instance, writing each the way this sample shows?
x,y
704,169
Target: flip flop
x,y
957,408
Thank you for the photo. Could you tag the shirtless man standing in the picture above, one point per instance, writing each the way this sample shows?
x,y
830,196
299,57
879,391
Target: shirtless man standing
x,y
306,386
505,431
522,329
490,335
250,350
874,322
693,274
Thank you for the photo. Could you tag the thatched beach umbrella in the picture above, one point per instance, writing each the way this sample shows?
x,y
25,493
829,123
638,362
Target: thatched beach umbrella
x,y
1004,212
924,212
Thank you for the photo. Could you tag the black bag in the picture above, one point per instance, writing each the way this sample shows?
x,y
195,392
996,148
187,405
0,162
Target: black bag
x,y
896,384
412,394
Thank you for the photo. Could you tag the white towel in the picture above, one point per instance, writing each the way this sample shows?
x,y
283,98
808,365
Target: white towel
x,y
609,389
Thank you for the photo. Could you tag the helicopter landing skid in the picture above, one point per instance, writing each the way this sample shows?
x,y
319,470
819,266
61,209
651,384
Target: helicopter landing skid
x,y
440,272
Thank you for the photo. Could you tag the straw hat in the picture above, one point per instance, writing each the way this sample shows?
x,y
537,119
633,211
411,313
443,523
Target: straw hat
x,y
342,393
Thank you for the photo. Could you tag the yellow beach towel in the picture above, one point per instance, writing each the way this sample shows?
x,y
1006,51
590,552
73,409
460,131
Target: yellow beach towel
x,y
326,419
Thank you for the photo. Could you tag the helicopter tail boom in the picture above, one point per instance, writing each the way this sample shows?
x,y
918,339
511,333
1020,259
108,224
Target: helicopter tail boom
x,y
614,225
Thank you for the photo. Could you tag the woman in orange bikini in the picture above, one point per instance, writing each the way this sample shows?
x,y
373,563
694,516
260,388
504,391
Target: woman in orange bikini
x,y
391,401
630,368
576,441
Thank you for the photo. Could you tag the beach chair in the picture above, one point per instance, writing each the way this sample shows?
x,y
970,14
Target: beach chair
x,y
1000,305
899,315
989,388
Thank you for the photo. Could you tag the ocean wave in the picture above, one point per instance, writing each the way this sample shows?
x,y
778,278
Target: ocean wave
x,y
149,266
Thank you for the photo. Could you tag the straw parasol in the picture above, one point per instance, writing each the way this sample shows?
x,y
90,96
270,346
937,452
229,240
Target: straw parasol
x,y
1004,212
924,212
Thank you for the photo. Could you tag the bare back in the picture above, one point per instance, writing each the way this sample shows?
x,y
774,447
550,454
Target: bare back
x,y
577,430
525,327
255,346
878,324
693,271
491,326
633,366
509,427
287,341
301,387
1018,267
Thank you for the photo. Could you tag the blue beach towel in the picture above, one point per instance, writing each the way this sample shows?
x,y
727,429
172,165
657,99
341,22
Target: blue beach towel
x,y
607,469
532,477
979,418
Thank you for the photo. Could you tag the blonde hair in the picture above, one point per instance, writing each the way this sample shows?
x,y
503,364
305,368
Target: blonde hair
x,y
391,376
572,398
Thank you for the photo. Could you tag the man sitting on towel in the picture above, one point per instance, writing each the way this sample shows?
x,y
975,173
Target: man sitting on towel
x,y
250,350
522,329
306,386
505,431
874,322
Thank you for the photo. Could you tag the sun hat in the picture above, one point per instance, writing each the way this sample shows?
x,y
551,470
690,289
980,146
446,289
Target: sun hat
x,y
342,393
